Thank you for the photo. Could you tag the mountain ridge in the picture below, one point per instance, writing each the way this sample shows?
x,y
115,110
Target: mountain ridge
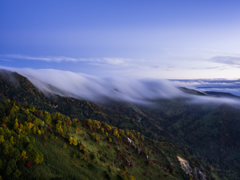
x,y
160,121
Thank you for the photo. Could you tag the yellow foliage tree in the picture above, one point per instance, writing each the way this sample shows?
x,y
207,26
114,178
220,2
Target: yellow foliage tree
x,y
16,124
24,155
12,140
21,127
75,142
70,140
30,125
39,157
76,129
1,138
115,133
39,132
81,147
59,128
34,130
75,120
102,130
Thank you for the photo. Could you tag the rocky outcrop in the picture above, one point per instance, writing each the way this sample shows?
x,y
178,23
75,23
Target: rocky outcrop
x,y
195,172
198,174
185,165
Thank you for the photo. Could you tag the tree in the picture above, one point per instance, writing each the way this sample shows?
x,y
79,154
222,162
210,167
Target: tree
x,y
74,142
1,138
64,146
70,140
55,116
6,120
30,125
26,139
39,132
17,173
9,171
6,146
81,147
34,130
116,133
32,108
39,157
47,117
136,141
17,156
12,140
16,124
36,123
146,149
59,128
138,135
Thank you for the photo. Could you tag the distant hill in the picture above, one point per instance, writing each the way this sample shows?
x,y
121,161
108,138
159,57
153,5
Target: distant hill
x,y
191,91
221,94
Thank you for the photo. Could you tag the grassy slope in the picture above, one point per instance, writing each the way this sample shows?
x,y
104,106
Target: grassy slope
x,y
61,163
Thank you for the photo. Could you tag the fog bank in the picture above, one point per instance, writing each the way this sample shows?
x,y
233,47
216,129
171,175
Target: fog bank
x,y
83,86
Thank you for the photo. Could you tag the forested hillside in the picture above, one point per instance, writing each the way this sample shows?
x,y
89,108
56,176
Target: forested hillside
x,y
209,132
35,144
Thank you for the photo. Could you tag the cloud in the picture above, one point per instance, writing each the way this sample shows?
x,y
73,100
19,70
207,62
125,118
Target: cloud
x,y
94,88
218,85
48,59
6,60
230,60
83,86
96,61
209,83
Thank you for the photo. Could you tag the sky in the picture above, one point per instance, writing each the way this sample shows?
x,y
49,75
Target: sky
x,y
187,39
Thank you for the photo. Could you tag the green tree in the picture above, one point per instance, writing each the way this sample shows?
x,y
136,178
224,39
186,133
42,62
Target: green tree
x,y
47,117
9,171
17,173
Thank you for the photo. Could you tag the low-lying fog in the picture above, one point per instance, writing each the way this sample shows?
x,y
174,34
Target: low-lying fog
x,y
93,88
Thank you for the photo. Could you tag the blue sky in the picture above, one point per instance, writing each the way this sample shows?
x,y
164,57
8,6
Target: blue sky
x,y
187,39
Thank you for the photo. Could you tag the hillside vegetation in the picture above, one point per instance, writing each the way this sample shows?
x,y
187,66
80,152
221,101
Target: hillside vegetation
x,y
209,132
39,145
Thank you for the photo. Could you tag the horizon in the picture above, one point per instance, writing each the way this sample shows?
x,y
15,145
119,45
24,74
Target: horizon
x,y
190,42
93,88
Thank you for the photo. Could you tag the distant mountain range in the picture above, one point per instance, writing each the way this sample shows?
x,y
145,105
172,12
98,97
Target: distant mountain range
x,y
209,131
221,94
209,93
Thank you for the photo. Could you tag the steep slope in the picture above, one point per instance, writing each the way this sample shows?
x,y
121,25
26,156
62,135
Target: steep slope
x,y
16,87
39,145
215,135
194,126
